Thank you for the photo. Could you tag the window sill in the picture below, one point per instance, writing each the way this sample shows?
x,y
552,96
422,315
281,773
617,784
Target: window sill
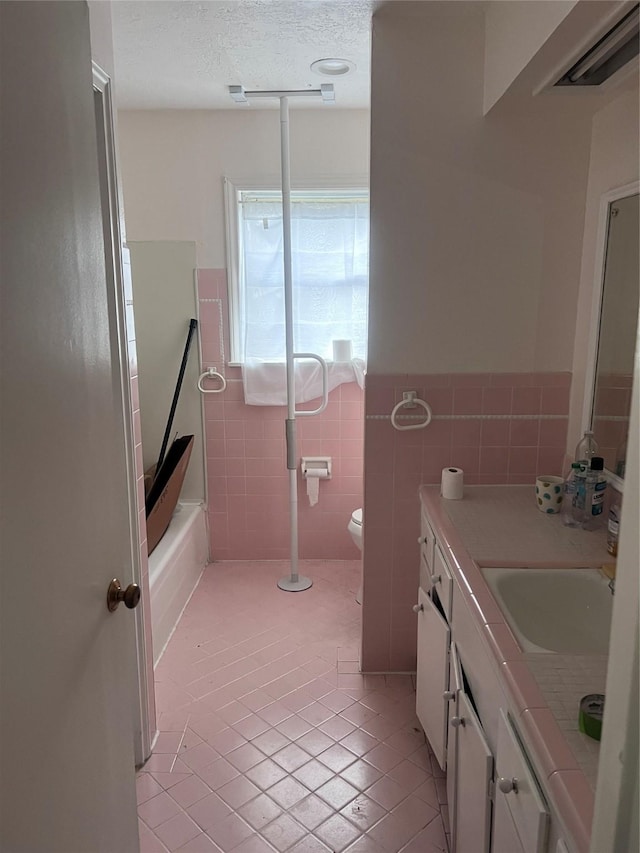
x,y
241,363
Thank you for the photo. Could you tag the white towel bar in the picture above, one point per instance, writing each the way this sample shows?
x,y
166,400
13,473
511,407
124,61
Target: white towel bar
x,y
212,373
409,401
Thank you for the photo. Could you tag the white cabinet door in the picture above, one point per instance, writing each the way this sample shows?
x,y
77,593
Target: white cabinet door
x,y
504,838
432,676
518,789
469,768
455,686
474,771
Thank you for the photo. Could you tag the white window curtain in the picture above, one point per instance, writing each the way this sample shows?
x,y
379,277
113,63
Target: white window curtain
x,y
330,271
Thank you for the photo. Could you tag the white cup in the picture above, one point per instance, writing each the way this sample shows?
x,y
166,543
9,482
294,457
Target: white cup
x,y
549,493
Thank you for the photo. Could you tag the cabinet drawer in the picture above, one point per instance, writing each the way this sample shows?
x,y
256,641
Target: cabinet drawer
x,y
524,802
442,580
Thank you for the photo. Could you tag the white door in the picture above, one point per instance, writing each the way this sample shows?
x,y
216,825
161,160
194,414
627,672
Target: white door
x,y
432,675
68,673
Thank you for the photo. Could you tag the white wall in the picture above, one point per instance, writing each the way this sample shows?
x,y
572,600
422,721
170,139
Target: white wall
x,y
515,32
173,163
101,35
164,302
477,221
615,161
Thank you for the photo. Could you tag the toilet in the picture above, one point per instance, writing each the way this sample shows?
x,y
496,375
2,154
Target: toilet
x,y
355,529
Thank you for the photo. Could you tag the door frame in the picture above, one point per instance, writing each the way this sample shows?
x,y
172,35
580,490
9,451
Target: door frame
x,y
113,235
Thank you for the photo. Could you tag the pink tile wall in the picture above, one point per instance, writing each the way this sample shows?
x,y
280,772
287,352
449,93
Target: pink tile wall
x,y
245,457
528,437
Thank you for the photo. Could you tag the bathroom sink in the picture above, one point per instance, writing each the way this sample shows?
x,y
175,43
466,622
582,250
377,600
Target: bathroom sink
x,y
567,611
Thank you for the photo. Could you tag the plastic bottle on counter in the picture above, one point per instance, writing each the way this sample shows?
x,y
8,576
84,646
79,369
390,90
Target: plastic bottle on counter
x,y
580,497
571,513
586,448
613,526
596,485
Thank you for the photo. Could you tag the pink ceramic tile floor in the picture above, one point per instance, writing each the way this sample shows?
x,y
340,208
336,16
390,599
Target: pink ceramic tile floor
x,y
271,740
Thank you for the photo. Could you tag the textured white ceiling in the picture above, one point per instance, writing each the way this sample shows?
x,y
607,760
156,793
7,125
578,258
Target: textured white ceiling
x,y
184,55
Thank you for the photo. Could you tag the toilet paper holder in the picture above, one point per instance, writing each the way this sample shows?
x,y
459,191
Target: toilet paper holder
x,y
315,466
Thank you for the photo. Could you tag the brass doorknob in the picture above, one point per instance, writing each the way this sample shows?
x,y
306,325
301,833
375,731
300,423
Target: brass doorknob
x,y
115,594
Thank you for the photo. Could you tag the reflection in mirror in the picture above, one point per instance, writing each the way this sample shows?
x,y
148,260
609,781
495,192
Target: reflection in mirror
x,y
617,334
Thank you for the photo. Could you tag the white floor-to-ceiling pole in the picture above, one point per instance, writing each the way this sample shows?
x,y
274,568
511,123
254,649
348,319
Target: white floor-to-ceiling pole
x,y
294,582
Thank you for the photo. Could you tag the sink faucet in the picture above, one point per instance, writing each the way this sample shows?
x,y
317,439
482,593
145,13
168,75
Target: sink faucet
x,y
612,585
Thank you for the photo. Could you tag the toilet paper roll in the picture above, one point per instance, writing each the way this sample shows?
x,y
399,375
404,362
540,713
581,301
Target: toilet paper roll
x,y
342,351
313,477
452,484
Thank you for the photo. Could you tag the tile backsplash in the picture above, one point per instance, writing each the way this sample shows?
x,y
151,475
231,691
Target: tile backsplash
x,y
499,428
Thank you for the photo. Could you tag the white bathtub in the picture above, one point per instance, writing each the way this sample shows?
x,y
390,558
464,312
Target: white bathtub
x,y
175,567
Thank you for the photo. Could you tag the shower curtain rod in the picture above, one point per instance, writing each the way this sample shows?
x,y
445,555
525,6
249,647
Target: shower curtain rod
x,y
295,582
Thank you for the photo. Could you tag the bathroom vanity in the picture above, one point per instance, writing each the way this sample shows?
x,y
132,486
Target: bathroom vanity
x,y
498,687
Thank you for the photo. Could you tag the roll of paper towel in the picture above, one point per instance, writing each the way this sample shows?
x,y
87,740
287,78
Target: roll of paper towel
x,y
452,484
342,351
313,477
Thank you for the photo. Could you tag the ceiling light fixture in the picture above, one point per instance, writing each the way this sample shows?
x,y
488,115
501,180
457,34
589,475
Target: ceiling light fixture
x,y
332,67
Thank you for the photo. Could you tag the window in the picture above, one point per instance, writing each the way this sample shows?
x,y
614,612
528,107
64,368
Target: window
x,y
330,271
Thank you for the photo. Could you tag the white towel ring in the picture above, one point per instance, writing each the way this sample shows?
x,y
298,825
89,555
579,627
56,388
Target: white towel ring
x,y
409,401
212,373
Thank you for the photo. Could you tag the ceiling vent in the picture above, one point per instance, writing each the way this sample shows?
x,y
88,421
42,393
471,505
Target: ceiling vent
x,y
615,49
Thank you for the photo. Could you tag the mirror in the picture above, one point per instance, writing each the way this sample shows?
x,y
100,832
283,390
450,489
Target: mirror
x,y
617,333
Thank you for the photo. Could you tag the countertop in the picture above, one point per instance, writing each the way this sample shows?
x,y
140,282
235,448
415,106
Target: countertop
x,y
500,526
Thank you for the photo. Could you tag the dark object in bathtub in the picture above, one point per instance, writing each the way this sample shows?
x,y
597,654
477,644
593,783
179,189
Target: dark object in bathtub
x,y
165,491
193,325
